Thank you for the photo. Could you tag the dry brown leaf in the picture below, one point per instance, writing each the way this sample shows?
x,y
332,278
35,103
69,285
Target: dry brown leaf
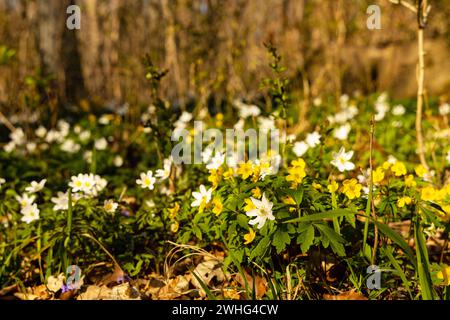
x,y
25,296
175,288
206,271
260,284
117,276
229,293
6,290
34,293
121,292
347,295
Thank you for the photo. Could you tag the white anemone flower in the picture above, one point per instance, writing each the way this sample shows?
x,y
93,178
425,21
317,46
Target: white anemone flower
x,y
41,132
444,109
118,161
398,110
61,201
36,186
448,157
201,198
25,200
101,144
2,181
164,173
30,213
262,211
341,160
70,146
341,133
313,139
300,148
147,180
110,206
216,161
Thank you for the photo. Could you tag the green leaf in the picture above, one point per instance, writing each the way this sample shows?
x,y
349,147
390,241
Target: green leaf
x,y
306,239
323,215
336,241
397,238
260,248
423,265
281,239
204,287
242,220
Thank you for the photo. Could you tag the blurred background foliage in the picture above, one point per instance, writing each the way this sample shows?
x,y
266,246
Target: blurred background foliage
x,y
213,50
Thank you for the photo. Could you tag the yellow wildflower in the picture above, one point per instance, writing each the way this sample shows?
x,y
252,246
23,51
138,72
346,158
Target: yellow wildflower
x,y
333,186
256,192
399,169
296,173
440,194
404,201
420,170
256,172
229,174
298,163
245,169
444,274
351,188
249,205
316,186
288,200
386,165
218,206
428,194
378,175
249,237
214,177
409,181
174,210
174,227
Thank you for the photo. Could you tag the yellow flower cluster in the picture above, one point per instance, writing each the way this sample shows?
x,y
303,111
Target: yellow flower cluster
x,y
245,170
333,186
215,176
296,172
378,175
351,188
399,169
217,206
404,201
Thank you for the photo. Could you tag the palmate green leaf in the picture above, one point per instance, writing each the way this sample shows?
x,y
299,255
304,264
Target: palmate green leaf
x,y
323,215
335,240
398,240
281,239
260,248
306,238
423,264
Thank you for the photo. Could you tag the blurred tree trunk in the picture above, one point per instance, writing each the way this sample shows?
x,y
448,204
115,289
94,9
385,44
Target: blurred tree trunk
x,y
74,88
58,50
110,50
89,43
171,48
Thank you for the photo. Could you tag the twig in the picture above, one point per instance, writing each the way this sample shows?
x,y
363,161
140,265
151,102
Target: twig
x,y
374,215
6,122
406,4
